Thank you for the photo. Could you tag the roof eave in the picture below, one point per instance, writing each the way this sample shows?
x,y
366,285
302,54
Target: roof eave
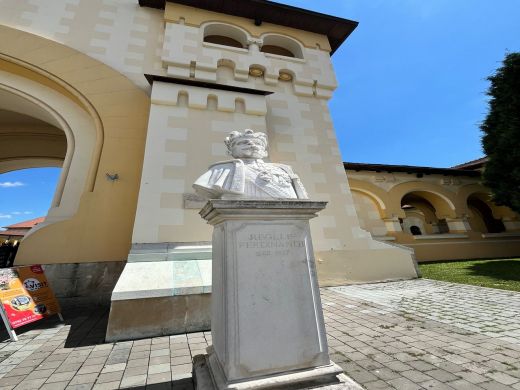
x,y
335,28
409,169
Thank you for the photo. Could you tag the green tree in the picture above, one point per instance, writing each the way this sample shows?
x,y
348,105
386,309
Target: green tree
x,y
501,138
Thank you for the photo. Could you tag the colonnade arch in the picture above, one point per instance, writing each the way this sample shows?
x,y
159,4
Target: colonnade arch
x,y
442,200
445,208
378,195
421,215
426,207
481,216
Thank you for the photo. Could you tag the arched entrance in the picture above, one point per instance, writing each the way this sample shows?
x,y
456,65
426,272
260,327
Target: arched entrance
x,y
42,127
103,116
28,144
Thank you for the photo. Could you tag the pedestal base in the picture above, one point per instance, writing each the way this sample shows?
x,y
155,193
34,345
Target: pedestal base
x,y
208,376
164,289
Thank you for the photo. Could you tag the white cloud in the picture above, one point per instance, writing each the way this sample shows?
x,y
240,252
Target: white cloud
x,y
5,215
9,184
21,212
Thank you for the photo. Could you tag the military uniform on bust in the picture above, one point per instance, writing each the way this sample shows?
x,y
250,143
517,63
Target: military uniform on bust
x,y
247,175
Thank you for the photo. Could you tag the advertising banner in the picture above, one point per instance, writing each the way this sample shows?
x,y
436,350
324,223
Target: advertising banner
x,y
26,296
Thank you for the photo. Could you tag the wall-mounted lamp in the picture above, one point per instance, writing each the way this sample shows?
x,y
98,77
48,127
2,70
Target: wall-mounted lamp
x,y
112,176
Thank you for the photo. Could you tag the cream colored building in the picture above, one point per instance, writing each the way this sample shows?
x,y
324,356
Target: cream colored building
x,y
442,214
133,100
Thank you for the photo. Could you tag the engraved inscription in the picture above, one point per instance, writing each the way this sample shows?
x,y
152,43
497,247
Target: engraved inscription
x,y
268,244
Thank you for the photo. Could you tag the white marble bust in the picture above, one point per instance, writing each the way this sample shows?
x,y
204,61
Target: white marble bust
x,y
247,176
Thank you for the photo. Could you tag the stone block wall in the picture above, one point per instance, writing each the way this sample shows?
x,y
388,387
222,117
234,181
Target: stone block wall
x,y
89,282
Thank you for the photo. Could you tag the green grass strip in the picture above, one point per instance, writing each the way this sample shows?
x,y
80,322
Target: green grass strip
x,y
500,273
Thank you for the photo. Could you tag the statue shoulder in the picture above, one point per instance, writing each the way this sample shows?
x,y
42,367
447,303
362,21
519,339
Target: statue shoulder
x,y
285,167
222,164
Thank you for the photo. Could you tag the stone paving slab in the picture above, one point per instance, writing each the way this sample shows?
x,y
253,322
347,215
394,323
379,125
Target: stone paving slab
x,y
425,334
418,334
492,312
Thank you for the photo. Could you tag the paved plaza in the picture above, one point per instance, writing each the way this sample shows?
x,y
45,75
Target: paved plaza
x,y
418,334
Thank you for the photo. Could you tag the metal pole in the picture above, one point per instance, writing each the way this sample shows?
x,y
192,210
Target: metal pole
x,y
12,333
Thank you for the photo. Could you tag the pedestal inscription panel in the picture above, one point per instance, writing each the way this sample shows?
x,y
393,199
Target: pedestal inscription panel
x,y
272,261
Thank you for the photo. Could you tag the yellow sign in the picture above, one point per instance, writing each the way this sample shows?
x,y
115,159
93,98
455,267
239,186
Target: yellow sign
x,y
26,296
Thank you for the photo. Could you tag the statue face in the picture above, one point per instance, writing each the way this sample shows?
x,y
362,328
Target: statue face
x,y
248,148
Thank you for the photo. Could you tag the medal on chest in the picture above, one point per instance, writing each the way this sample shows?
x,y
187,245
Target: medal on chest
x,y
272,174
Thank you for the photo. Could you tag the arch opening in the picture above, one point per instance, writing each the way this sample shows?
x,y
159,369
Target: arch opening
x,y
421,215
481,217
225,35
278,50
44,127
27,195
281,45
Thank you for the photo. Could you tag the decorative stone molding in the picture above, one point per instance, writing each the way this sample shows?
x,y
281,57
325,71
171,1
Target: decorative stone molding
x,y
168,94
185,54
445,236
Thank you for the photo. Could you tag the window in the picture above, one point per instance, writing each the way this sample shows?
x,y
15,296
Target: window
x,y
282,46
222,40
225,35
276,50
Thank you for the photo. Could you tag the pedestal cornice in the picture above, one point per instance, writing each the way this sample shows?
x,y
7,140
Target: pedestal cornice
x,y
216,210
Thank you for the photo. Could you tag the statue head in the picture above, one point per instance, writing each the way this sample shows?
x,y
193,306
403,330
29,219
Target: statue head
x,y
247,144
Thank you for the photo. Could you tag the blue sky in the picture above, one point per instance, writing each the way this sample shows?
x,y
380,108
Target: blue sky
x,y
412,82
26,194
412,76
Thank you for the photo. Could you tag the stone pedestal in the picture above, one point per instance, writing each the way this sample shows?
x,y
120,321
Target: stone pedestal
x,y
266,322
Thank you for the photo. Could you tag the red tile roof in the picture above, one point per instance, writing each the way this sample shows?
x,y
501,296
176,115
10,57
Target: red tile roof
x,y
14,232
25,224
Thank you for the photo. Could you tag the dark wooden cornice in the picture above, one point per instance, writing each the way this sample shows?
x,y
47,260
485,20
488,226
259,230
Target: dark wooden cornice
x,y
409,169
203,84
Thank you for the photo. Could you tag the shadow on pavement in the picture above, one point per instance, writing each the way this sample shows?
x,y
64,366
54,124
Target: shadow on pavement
x,y
87,324
48,323
182,384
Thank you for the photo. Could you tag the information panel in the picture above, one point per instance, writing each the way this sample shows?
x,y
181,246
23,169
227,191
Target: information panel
x,y
26,295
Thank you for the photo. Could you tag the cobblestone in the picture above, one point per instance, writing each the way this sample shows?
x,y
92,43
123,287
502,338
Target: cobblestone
x,y
417,334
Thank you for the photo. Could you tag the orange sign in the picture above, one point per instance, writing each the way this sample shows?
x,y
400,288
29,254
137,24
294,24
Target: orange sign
x,y
26,295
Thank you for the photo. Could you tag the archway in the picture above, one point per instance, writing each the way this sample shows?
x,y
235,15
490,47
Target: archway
x,y
103,115
27,195
481,217
42,127
29,141
421,215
